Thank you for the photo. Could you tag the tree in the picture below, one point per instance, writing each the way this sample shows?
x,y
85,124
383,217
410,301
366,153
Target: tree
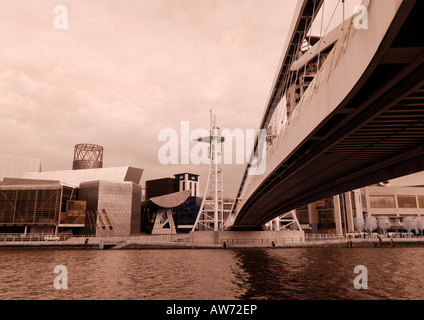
x,y
359,224
409,223
420,224
371,224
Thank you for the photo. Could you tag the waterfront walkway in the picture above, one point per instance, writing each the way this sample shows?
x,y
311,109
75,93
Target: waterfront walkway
x,y
185,241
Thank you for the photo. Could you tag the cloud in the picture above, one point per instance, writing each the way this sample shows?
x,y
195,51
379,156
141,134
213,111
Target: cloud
x,y
125,70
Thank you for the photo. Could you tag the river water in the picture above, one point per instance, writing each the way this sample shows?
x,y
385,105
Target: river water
x,y
270,274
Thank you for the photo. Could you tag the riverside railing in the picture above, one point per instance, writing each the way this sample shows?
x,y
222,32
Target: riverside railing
x,y
136,237
261,241
22,237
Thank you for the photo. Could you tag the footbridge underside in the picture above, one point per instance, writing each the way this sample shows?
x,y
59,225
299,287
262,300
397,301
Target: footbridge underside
x,y
373,133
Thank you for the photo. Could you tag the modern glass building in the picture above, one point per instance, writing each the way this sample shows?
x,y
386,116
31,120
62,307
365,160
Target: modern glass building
x,y
34,206
101,201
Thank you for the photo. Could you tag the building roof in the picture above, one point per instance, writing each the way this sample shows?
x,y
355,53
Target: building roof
x,y
28,184
76,177
181,174
413,180
171,200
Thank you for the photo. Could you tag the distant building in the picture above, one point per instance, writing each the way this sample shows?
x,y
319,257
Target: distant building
x,y
332,215
15,167
394,203
104,201
183,215
76,177
158,213
189,181
396,200
113,208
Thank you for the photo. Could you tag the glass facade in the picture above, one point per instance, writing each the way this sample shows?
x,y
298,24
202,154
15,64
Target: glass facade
x,y
326,218
68,194
407,202
30,206
75,214
421,202
302,215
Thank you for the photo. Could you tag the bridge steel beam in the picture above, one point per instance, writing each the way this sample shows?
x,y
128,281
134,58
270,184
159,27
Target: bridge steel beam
x,y
376,133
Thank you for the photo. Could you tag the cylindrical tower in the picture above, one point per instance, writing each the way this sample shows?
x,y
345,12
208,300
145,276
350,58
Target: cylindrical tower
x,y
87,156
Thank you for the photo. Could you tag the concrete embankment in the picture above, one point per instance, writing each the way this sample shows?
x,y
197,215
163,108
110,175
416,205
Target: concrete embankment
x,y
343,243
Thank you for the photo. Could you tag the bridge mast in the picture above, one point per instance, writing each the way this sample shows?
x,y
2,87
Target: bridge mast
x,y
211,213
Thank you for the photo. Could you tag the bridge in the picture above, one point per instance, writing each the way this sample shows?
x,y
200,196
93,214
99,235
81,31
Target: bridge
x,y
346,110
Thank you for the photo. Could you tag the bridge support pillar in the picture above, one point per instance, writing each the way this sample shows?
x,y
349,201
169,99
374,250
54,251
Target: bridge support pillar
x,y
358,204
337,215
313,217
349,212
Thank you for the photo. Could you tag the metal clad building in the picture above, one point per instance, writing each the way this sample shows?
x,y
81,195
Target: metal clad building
x,y
160,187
114,208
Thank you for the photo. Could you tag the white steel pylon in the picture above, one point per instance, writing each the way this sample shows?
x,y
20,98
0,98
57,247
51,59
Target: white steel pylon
x,y
284,222
211,212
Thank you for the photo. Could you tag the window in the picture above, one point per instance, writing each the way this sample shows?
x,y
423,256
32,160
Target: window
x,y
407,202
303,215
421,201
382,202
326,218
325,203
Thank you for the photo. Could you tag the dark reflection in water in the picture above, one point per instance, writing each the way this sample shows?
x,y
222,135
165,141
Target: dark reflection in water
x,y
272,274
317,274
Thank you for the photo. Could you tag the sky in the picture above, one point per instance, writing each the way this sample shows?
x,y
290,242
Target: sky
x,y
124,71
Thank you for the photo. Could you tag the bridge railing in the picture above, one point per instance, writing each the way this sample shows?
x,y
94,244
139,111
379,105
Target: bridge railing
x,y
147,238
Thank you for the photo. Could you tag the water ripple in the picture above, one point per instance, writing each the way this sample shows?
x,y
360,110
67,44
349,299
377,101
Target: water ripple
x,y
268,274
